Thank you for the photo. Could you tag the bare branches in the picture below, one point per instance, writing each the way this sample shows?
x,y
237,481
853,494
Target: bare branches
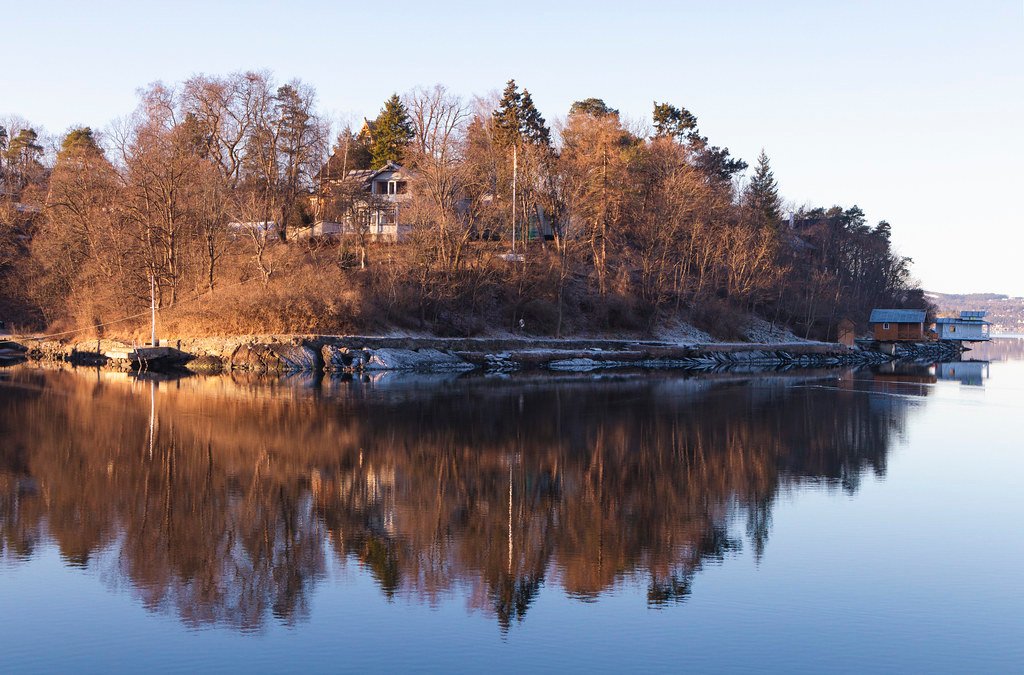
x,y
439,120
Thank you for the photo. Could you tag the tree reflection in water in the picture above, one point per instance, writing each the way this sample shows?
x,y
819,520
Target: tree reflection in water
x,y
228,503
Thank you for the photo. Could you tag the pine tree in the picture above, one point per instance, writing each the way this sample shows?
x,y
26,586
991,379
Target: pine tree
x,y
22,156
392,131
673,122
507,117
762,195
517,120
532,126
78,142
714,162
3,149
23,149
595,107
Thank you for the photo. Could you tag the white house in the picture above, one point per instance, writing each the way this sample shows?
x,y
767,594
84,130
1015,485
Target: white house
x,y
378,211
970,326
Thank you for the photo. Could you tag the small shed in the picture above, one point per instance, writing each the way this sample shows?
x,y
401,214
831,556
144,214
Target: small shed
x,y
970,326
898,325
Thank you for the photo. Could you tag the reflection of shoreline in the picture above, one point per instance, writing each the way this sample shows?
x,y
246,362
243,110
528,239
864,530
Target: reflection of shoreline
x,y
219,494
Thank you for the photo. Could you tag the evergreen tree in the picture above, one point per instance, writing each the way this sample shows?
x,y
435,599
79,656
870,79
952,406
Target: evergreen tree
x,y
680,125
23,149
3,149
517,119
533,127
22,157
507,117
595,107
762,195
296,132
189,134
78,142
673,122
714,162
360,148
392,131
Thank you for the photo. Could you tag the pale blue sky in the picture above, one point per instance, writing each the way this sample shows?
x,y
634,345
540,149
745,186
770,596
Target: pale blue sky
x,y
910,109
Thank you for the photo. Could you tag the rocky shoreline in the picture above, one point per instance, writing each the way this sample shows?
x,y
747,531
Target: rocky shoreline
x,y
363,354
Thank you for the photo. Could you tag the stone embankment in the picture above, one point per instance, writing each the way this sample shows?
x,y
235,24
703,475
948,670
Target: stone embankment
x,y
928,351
358,354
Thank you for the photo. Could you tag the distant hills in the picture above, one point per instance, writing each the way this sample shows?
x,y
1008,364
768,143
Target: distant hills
x,y
1004,311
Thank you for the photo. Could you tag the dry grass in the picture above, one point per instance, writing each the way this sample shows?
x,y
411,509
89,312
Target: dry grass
x,y
314,289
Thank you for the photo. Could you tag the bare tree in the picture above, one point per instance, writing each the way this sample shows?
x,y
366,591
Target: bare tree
x,y
435,160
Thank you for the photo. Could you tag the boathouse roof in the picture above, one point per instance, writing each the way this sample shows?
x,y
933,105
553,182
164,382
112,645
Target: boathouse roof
x,y
897,316
964,320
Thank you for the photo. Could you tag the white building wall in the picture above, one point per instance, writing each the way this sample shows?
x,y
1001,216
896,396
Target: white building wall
x,y
961,331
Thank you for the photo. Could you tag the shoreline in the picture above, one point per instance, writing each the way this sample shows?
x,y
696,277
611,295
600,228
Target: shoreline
x,y
360,353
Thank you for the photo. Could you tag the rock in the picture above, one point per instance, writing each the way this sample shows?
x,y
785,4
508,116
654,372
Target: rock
x,y
249,357
500,363
13,346
576,365
342,359
260,358
205,364
407,359
297,358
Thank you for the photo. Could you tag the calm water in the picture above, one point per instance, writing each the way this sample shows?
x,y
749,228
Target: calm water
x,y
807,520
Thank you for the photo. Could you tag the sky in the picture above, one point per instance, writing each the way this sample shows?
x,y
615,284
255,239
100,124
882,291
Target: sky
x,y
910,109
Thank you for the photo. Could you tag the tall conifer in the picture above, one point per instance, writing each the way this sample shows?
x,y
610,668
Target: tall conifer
x,y
763,195
517,119
392,131
532,125
507,119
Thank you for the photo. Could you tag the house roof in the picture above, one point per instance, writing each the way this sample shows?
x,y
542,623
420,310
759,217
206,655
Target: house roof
x,y
897,316
962,320
330,172
392,167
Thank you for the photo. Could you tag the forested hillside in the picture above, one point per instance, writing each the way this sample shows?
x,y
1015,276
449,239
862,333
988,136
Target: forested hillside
x,y
201,195
1005,312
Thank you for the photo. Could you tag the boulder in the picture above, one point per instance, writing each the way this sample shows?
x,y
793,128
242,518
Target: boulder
x,y
205,364
342,359
419,360
275,357
580,365
297,358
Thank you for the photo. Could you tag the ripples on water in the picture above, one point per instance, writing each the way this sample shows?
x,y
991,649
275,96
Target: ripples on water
x,y
262,517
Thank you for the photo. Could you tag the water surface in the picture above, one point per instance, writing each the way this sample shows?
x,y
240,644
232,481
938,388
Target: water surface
x,y
831,520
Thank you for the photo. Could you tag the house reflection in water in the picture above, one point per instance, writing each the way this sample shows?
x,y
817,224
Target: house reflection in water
x,y
914,378
903,378
970,373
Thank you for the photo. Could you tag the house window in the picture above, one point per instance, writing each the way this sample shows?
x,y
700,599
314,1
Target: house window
x,y
885,326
